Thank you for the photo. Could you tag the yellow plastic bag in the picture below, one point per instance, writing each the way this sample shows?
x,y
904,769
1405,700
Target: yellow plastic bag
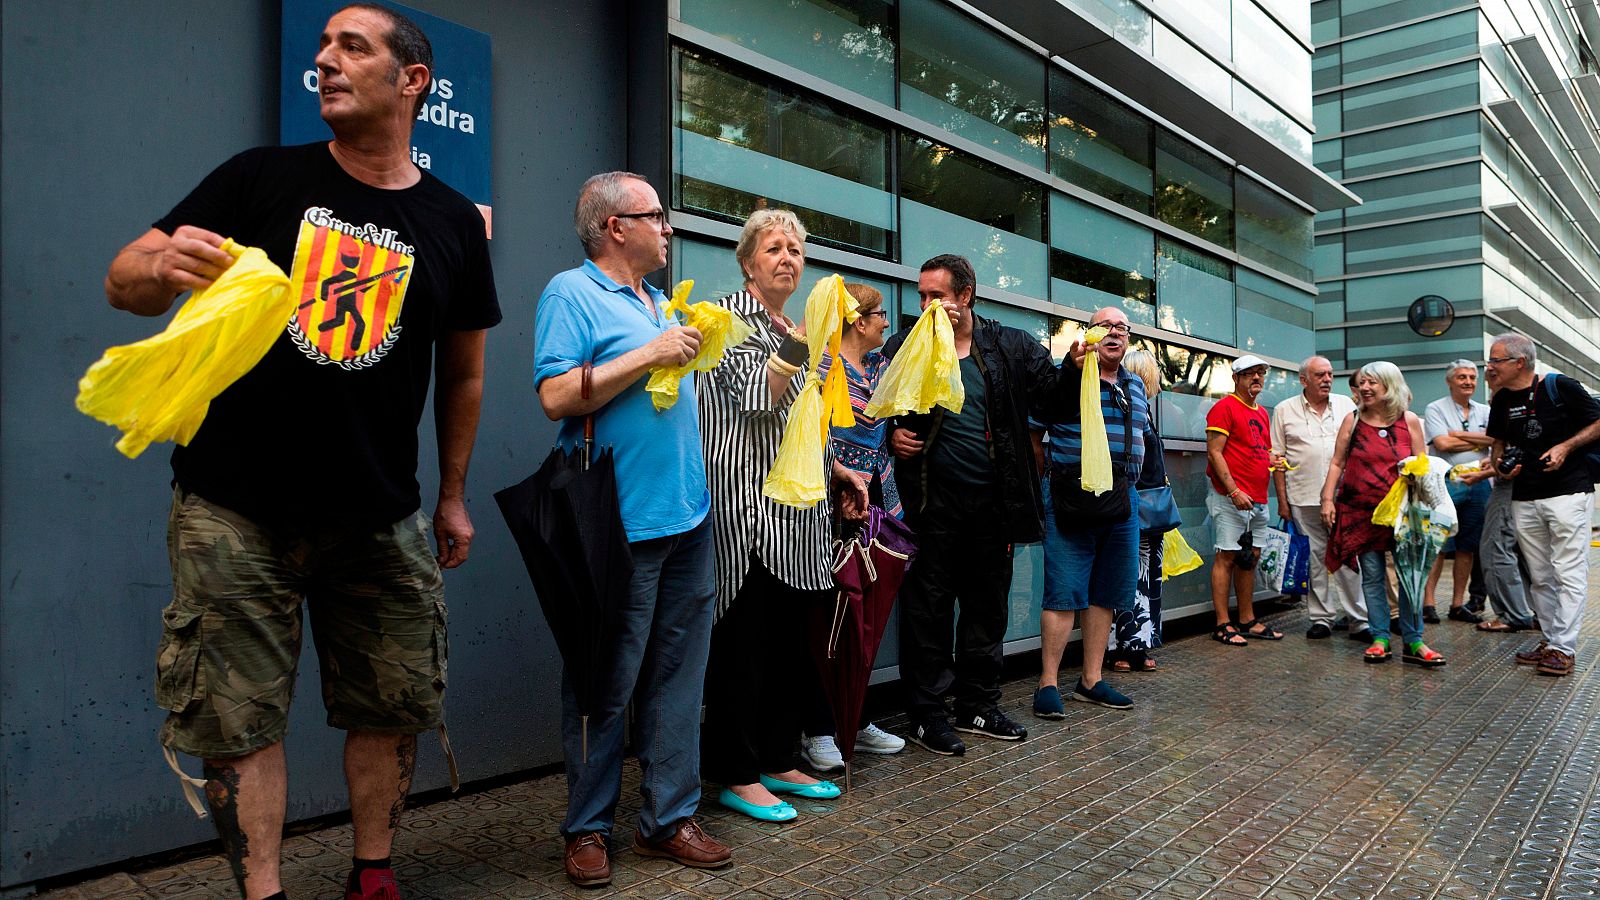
x,y
925,372
719,330
1177,557
1096,477
1392,506
798,477
160,388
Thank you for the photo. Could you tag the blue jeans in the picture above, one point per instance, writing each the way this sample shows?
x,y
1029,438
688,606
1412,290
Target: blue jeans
x,y
1471,502
661,639
1372,588
1098,565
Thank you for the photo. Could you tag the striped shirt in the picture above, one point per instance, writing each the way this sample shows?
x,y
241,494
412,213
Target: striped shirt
x,y
740,430
1066,438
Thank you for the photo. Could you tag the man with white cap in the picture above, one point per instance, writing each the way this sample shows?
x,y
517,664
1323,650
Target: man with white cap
x,y
1238,459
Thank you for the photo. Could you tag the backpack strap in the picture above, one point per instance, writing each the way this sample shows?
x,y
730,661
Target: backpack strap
x,y
1550,388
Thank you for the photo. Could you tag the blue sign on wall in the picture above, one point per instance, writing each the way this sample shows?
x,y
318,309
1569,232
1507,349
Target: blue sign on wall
x,y
451,137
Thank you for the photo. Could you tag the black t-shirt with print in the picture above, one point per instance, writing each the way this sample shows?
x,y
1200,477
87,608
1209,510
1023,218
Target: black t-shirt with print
x,y
324,428
1528,419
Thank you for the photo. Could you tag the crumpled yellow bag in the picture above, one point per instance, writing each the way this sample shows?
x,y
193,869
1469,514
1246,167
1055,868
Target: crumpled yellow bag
x,y
1177,557
924,373
798,477
1392,505
160,388
719,330
1096,477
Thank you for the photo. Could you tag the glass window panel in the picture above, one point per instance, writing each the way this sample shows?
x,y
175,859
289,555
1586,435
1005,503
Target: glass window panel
x,y
1325,68
1194,190
966,79
1367,15
1270,60
1328,255
1205,22
1273,231
1369,343
1386,296
716,274
739,145
1324,21
1330,302
954,203
1450,189
1194,67
1194,292
1413,244
1327,114
1272,121
1035,323
1410,48
1274,319
1098,143
1407,146
1124,18
1294,14
1192,381
1100,259
848,42
1328,155
1410,96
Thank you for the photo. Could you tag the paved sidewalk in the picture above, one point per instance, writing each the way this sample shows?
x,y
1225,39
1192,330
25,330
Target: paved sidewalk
x,y
1276,770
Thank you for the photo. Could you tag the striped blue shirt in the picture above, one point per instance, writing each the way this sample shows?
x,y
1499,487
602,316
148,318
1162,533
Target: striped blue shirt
x,y
1066,437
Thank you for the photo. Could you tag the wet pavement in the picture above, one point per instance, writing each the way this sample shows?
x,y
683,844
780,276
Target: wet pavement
x,y
1279,770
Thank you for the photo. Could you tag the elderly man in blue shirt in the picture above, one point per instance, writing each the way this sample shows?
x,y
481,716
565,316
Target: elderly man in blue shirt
x,y
1091,543
605,314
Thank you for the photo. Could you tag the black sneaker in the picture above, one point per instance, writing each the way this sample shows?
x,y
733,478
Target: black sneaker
x,y
1361,635
1341,624
1462,614
1318,631
1475,605
937,737
1430,615
992,723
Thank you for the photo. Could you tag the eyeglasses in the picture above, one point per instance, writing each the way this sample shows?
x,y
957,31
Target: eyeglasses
x,y
1118,327
878,312
1497,360
1118,398
658,216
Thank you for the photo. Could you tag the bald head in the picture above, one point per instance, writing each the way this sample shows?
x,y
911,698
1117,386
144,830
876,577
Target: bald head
x,y
1111,347
1316,379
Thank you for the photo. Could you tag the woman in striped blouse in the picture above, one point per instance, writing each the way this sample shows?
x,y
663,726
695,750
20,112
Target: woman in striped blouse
x,y
772,561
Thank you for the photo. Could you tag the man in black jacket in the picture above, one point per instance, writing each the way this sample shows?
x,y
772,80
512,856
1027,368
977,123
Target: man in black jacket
x,y
970,485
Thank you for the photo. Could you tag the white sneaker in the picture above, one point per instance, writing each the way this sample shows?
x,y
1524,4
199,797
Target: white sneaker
x,y
873,739
821,753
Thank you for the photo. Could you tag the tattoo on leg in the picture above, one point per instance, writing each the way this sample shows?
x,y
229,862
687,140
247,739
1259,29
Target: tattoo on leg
x,y
405,757
222,795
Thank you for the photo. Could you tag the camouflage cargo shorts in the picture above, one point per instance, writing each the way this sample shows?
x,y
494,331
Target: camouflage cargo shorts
x,y
230,645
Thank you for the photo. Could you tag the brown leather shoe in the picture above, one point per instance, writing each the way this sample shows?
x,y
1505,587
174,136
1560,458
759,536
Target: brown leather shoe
x,y
587,863
1533,657
688,845
1555,663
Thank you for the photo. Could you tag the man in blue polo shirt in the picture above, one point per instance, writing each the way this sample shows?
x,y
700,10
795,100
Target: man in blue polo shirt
x,y
604,313
1091,542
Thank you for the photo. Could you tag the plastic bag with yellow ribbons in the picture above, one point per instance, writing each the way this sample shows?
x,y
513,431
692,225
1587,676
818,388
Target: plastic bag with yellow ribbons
x,y
924,373
1392,506
160,388
1097,477
719,330
798,477
1177,557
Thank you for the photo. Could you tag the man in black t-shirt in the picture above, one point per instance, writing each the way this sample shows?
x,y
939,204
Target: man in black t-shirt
x,y
301,483
1548,422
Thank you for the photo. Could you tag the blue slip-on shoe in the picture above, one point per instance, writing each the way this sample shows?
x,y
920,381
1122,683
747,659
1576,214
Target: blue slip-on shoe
x,y
777,812
1103,694
1047,703
822,790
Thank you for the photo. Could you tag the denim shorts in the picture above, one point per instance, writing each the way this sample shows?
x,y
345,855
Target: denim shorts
x,y
1229,522
1471,501
1096,565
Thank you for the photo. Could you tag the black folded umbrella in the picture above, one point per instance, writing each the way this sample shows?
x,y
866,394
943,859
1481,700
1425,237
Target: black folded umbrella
x,y
568,526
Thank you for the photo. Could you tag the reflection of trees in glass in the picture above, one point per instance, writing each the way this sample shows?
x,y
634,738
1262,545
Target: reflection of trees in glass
x,y
956,60
717,102
936,176
1088,130
1194,190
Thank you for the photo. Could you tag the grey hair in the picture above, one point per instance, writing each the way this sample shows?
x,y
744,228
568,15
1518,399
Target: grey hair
x,y
601,197
1305,367
1460,364
1143,364
759,222
1517,347
1396,393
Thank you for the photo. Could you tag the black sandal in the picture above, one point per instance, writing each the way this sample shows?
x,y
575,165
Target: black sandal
x,y
1268,635
1229,635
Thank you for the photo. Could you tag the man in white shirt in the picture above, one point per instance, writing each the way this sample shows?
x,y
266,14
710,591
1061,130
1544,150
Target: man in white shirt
x,y
1303,431
1454,426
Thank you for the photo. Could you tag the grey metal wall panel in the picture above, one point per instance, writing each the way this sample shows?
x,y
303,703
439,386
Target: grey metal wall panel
x,y
110,113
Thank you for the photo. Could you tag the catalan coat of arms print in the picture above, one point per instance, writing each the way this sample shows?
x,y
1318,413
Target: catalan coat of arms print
x,y
351,281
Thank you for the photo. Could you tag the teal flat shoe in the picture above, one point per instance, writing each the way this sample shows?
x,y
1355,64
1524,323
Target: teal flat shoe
x,y
822,790
777,812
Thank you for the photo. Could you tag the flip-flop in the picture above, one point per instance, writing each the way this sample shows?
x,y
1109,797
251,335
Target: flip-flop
x,y
1382,655
1268,635
1496,626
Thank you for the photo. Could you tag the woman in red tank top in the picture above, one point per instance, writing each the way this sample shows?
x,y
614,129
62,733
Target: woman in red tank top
x,y
1366,458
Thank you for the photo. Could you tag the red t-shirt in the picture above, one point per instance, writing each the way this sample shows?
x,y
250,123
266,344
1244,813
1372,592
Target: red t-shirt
x,y
1246,448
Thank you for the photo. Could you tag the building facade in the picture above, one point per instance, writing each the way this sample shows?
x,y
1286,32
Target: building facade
x,y
1469,130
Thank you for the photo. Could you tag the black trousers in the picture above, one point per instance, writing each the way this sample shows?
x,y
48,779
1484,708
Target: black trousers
x,y
951,569
760,682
